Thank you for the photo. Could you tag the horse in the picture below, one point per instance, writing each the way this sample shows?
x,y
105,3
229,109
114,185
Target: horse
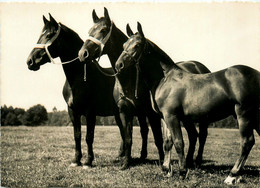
x,y
84,87
179,95
132,94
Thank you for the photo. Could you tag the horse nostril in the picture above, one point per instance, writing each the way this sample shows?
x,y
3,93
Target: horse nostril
x,y
29,62
85,53
121,65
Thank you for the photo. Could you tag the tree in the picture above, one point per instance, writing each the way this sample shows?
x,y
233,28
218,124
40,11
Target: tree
x,y
35,115
11,116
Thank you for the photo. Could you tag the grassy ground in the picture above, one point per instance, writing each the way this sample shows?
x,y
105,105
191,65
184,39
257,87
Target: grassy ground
x,y
40,157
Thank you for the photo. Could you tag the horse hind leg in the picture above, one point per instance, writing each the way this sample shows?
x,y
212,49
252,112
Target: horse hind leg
x,y
144,133
75,119
246,124
91,120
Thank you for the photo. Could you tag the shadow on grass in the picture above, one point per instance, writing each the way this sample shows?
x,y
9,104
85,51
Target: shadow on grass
x,y
209,167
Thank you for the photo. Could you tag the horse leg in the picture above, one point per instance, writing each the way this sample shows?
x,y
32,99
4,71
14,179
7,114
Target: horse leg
x,y
121,152
75,119
91,121
155,123
174,126
167,145
144,133
203,133
247,137
192,134
126,116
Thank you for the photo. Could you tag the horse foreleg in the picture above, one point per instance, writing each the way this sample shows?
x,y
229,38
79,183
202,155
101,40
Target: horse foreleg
x,y
174,126
75,119
203,133
127,121
192,134
144,133
168,143
121,152
155,122
91,120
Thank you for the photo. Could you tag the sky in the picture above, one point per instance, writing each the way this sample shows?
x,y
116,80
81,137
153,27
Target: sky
x,y
218,35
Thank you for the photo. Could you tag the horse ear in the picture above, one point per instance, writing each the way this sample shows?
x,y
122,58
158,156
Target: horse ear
x,y
94,16
129,30
45,20
139,29
53,21
106,15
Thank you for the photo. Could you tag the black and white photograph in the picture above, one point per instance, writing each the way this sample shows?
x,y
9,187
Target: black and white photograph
x,y
130,93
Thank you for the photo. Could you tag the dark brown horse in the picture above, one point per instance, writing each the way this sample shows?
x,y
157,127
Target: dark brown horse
x,y
132,94
179,95
86,91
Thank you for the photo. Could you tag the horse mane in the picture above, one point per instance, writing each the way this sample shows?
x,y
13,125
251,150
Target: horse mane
x,y
166,61
67,29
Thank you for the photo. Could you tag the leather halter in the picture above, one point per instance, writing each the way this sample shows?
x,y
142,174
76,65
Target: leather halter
x,y
49,43
101,44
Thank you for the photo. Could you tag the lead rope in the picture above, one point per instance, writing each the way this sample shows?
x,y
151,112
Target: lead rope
x,y
85,72
137,79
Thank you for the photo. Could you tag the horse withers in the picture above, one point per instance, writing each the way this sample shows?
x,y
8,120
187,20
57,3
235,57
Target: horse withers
x,y
180,95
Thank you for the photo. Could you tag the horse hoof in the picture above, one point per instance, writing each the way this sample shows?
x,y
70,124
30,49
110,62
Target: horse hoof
x,y
233,180
86,167
124,167
168,172
74,165
184,174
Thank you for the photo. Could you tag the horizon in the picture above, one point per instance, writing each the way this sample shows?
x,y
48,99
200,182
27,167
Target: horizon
x,y
218,35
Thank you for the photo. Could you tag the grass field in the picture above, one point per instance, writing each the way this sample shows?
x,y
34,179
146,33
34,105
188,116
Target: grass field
x,y
40,157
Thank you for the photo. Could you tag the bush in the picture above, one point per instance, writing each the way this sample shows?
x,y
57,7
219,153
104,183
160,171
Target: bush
x,y
35,115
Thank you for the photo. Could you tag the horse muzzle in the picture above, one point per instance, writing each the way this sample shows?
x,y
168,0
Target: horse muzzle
x,y
83,54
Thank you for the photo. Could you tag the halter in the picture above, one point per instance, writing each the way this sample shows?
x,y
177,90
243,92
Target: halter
x,y
137,66
101,43
49,43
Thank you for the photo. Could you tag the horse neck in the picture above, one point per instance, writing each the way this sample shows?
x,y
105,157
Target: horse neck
x,y
74,70
155,64
117,39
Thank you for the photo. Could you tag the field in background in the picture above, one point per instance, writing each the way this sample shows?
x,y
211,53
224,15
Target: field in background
x,y
40,157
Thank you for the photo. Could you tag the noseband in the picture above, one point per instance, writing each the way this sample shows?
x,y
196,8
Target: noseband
x,y
101,43
49,43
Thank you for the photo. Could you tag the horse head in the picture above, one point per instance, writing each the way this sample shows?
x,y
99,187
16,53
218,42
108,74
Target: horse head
x,y
134,47
45,45
99,35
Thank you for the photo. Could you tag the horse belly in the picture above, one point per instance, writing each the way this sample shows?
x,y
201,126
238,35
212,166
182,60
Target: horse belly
x,y
208,108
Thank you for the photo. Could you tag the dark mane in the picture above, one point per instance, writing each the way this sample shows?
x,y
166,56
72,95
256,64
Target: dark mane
x,y
68,30
162,56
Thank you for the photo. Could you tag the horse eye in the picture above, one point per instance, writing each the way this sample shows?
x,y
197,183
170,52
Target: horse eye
x,y
103,31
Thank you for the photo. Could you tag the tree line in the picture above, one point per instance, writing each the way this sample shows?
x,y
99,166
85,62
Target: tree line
x,y
38,115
